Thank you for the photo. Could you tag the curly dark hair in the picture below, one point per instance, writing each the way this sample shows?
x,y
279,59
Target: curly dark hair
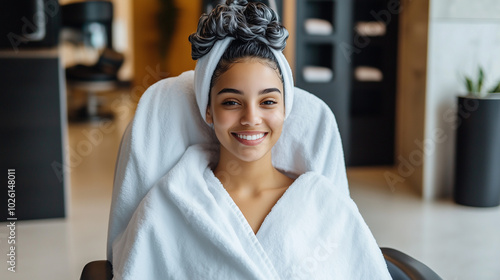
x,y
254,27
246,22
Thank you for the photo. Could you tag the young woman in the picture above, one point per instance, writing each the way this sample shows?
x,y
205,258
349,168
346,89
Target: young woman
x,y
260,193
247,112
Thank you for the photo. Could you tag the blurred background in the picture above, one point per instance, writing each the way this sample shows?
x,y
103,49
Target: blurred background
x,y
72,73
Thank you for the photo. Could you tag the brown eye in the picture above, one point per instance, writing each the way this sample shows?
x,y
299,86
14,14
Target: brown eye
x,y
230,103
269,102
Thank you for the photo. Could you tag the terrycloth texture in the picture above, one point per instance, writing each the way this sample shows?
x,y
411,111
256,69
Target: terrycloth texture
x,y
206,65
188,227
167,122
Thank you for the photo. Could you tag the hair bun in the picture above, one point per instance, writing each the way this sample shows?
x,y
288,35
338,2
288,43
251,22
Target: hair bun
x,y
242,20
241,3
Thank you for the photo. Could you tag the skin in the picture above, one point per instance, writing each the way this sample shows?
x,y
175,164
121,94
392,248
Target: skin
x,y
248,98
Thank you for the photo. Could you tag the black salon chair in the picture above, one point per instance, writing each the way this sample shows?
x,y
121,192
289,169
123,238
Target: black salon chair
x,y
400,265
403,267
91,25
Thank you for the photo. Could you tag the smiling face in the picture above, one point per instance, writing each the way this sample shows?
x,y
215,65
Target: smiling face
x,y
247,109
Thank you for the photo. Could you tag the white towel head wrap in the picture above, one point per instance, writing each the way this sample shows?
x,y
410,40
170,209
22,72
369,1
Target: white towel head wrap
x,y
205,68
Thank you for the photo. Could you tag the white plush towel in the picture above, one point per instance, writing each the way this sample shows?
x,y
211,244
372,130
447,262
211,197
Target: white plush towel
x,y
167,122
368,74
316,26
371,28
317,74
170,218
188,227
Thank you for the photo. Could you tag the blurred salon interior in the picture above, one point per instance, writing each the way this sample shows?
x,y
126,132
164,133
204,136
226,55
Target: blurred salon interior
x,y
392,71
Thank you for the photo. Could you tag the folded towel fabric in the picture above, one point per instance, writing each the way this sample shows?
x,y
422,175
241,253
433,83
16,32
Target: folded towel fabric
x,y
167,121
188,227
170,218
316,26
170,117
317,74
368,74
371,28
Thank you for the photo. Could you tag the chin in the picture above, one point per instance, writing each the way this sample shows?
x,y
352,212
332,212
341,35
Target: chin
x,y
248,155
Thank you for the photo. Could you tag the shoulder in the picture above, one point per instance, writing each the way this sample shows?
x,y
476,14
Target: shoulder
x,y
322,186
315,178
324,198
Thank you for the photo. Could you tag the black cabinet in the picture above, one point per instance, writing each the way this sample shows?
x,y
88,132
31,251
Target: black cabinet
x,y
33,122
374,70
276,5
346,54
322,61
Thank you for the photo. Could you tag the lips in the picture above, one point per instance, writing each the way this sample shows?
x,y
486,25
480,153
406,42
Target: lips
x,y
250,138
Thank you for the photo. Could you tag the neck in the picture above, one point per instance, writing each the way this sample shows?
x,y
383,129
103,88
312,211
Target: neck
x,y
236,174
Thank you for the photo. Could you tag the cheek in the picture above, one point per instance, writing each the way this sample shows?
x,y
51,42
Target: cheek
x,y
224,119
222,116
276,120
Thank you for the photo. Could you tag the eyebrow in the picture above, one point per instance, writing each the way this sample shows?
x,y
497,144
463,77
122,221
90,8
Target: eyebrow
x,y
232,90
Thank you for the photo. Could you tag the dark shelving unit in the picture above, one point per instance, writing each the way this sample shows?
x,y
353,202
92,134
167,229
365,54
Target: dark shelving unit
x,y
372,104
327,51
207,5
365,110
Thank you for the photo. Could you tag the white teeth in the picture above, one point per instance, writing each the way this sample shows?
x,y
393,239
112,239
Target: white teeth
x,y
251,137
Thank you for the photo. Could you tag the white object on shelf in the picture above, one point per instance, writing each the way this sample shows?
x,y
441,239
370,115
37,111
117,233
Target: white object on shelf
x,y
316,26
368,74
317,74
371,28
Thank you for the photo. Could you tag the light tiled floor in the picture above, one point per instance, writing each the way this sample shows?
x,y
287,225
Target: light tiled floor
x,y
457,242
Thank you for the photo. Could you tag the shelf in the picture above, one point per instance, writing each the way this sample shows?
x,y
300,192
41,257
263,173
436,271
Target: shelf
x,y
365,10
359,85
374,41
372,103
318,85
317,74
324,10
370,28
319,55
372,56
366,103
325,50
319,39
379,149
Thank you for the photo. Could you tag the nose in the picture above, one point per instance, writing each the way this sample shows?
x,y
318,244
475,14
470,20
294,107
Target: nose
x,y
251,116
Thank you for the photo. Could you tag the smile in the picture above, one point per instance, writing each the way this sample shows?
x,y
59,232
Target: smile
x,y
250,139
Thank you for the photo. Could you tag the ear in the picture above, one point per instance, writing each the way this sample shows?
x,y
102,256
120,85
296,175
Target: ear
x,y
208,116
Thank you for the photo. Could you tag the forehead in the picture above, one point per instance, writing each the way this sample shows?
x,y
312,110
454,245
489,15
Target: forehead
x,y
252,72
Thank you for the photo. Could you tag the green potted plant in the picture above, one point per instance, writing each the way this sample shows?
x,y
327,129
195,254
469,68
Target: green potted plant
x,y
477,162
477,89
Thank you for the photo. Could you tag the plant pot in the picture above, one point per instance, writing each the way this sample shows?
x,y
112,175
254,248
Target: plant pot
x,y
477,163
